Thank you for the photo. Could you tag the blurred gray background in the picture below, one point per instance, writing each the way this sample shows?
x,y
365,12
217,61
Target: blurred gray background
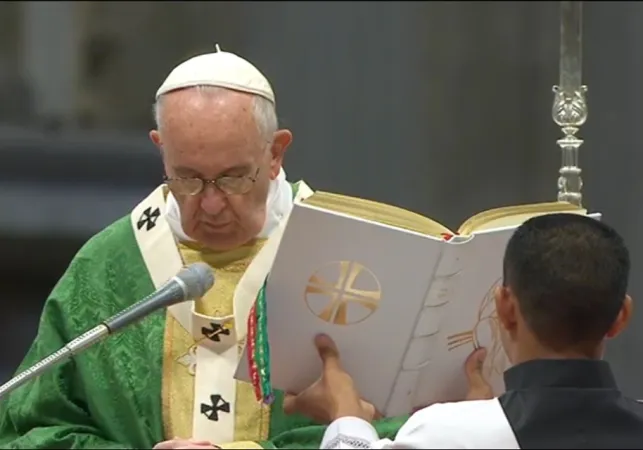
x,y
440,107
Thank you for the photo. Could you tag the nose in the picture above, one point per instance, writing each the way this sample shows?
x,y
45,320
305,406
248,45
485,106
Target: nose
x,y
213,201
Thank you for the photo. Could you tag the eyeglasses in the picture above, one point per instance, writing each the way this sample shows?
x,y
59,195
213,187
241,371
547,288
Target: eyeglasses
x,y
229,185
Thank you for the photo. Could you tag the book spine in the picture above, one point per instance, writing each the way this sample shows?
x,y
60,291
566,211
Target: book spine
x,y
424,341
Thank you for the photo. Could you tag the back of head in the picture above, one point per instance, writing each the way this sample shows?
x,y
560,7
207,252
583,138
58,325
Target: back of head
x,y
569,274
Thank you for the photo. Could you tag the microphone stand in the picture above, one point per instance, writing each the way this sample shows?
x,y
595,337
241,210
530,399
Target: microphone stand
x,y
191,282
71,349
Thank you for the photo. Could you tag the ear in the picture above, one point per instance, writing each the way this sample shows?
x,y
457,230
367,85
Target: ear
x,y
280,144
623,318
155,137
506,308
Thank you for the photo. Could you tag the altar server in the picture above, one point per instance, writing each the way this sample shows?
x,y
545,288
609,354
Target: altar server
x,y
564,294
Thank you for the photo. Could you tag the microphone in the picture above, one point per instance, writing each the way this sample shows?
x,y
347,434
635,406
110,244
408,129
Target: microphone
x,y
190,283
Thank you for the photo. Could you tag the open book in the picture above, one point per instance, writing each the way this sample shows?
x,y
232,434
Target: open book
x,y
405,298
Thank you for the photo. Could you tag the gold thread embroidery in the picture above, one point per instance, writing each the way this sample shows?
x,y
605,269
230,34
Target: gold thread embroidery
x,y
178,382
252,419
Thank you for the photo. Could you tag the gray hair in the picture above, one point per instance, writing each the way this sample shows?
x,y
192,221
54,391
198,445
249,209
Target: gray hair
x,y
265,113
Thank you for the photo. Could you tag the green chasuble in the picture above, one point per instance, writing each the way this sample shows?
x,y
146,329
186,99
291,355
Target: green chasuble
x,y
115,394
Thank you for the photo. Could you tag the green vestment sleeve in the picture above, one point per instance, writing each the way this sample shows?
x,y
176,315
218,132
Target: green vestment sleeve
x,y
104,398
51,411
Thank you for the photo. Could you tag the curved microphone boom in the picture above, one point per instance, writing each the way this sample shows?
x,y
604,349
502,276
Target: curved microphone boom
x,y
190,283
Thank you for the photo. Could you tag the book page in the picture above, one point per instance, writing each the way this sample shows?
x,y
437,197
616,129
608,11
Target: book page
x,y
378,212
514,215
361,283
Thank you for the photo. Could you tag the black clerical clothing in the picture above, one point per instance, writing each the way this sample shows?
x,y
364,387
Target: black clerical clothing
x,y
548,404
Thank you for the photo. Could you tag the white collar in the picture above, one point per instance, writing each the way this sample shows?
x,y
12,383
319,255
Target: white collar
x,y
278,205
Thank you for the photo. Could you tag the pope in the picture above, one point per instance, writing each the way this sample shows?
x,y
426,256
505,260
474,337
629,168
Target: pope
x,y
168,380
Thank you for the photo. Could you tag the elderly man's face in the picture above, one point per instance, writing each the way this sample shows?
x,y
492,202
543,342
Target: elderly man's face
x,y
213,135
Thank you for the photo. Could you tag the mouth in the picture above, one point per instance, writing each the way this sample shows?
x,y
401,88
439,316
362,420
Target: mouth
x,y
216,226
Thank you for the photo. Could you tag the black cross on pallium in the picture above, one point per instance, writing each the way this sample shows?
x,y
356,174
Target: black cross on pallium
x,y
214,331
217,405
148,219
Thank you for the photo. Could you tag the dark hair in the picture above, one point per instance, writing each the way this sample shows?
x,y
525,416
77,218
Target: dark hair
x,y
569,274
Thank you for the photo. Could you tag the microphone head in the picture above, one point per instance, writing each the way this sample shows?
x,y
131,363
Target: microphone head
x,y
198,279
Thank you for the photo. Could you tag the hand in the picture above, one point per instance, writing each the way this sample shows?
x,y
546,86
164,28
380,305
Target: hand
x,y
479,387
178,443
332,396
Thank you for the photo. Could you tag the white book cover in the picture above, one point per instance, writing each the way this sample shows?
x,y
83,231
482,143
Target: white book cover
x,y
469,322
404,309
360,282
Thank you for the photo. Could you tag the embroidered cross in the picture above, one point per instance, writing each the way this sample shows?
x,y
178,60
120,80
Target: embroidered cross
x,y
213,333
148,219
217,405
